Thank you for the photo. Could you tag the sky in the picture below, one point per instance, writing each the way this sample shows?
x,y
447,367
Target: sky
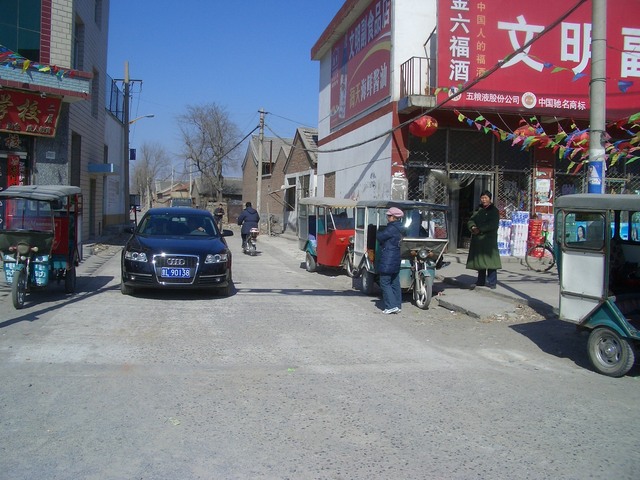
x,y
243,55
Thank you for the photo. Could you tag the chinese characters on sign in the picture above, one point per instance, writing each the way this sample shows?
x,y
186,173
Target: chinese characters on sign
x,y
360,63
28,114
551,75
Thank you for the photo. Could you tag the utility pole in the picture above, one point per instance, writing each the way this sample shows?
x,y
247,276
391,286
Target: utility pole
x,y
597,92
125,159
260,141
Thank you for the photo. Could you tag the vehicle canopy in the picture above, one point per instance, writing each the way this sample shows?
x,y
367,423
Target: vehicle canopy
x,y
47,193
590,201
330,202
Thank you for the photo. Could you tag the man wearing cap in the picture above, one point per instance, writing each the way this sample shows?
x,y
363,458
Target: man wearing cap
x,y
390,259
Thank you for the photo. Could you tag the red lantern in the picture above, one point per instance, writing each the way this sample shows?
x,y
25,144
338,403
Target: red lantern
x,y
423,127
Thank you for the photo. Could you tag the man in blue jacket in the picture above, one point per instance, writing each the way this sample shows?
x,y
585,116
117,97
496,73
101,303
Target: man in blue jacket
x,y
390,259
249,219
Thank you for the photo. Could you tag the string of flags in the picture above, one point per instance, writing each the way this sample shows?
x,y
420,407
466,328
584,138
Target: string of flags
x,y
573,145
11,59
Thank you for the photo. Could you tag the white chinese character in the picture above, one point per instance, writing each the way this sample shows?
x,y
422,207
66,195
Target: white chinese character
x,y
459,22
630,58
575,47
530,30
459,47
460,5
459,70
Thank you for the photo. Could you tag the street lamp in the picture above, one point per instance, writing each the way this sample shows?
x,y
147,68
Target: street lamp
x,y
151,115
128,195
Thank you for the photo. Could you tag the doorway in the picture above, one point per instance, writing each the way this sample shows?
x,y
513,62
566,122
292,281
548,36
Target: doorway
x,y
465,200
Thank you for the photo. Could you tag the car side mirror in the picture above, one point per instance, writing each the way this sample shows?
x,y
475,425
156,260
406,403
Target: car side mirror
x,y
128,229
227,233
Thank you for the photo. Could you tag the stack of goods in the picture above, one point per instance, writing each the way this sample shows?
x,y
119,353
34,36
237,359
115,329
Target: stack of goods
x,y
519,233
535,234
504,238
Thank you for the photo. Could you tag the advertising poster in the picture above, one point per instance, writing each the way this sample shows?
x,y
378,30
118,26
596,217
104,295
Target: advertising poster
x,y
360,64
551,75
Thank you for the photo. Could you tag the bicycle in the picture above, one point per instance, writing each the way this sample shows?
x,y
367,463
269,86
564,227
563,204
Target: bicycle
x,y
541,257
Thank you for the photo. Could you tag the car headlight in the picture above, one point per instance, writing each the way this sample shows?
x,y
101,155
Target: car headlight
x,y
216,258
135,256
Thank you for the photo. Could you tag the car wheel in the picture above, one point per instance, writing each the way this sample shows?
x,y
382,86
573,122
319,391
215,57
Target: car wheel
x,y
609,353
125,289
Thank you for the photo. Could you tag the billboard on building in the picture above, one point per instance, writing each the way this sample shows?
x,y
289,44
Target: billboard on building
x,y
552,75
360,64
28,114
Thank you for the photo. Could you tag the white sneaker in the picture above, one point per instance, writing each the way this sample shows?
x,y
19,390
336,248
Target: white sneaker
x,y
391,310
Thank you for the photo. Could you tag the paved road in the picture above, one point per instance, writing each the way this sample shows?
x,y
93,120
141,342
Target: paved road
x,y
297,376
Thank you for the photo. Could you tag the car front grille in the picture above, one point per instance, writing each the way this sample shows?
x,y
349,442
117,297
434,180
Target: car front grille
x,y
176,262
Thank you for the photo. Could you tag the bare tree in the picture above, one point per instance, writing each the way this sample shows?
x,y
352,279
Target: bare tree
x,y
210,138
154,164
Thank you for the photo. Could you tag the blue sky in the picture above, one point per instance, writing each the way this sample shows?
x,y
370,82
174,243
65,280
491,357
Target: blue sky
x,y
241,54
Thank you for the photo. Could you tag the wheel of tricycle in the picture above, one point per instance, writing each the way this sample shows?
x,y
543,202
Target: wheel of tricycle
x,y
310,263
70,280
351,269
422,291
19,289
609,353
367,282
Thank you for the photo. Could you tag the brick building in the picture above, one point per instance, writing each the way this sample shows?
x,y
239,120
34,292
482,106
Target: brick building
x,y
54,57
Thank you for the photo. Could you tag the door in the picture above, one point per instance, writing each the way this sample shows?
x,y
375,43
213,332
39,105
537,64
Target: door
x,y
582,263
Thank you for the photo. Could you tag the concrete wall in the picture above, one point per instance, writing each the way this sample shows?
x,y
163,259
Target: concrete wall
x,y
113,201
88,119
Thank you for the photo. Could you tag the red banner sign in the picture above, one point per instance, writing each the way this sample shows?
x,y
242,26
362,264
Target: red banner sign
x,y
552,75
28,113
360,64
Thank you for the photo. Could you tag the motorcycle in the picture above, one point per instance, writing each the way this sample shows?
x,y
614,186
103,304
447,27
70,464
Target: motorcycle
x,y
250,245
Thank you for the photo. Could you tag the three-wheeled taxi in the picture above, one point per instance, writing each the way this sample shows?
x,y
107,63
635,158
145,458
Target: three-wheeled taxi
x,y
325,232
598,243
421,250
40,237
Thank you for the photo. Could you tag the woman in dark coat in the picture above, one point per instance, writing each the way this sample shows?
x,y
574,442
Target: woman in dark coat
x,y
249,219
390,259
483,252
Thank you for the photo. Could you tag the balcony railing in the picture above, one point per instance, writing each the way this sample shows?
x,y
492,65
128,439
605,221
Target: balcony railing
x,y
417,77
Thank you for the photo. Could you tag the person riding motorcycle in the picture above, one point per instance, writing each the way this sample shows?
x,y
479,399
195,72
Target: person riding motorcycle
x,y
249,218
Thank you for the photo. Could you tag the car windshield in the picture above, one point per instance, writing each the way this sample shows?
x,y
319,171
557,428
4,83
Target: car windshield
x,y
178,225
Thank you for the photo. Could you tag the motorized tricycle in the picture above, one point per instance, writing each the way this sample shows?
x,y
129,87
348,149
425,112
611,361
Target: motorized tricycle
x,y
421,250
597,240
325,232
40,237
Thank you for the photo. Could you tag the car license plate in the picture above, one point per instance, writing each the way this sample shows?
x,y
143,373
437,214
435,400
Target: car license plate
x,y
175,272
